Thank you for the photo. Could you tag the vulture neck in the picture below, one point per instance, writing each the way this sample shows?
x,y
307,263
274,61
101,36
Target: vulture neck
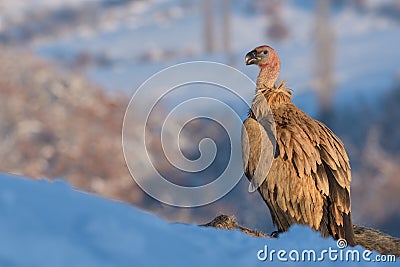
x,y
275,95
268,75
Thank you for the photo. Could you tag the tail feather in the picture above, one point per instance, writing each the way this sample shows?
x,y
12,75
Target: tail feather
x,y
348,229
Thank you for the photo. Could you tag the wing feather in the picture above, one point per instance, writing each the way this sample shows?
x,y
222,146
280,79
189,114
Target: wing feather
x,y
257,152
309,180
317,170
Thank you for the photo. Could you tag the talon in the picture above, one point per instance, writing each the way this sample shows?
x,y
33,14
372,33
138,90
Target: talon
x,y
275,234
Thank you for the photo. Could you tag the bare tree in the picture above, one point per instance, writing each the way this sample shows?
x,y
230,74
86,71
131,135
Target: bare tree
x,y
324,60
209,43
227,29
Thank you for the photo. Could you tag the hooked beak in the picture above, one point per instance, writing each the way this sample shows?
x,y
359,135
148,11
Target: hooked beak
x,y
251,58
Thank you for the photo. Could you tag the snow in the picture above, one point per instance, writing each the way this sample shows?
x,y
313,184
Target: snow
x,y
46,223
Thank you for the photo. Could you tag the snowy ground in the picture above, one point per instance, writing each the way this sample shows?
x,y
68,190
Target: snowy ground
x,y
49,224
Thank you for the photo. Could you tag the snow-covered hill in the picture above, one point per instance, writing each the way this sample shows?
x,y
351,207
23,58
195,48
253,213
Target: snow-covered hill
x,y
46,223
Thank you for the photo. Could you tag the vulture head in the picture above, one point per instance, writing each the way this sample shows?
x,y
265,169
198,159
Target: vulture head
x,y
268,60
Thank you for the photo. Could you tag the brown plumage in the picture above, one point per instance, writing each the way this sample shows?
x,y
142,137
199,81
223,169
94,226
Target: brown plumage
x,y
306,180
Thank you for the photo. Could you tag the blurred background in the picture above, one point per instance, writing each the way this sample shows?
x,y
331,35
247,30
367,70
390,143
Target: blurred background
x,y
68,70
